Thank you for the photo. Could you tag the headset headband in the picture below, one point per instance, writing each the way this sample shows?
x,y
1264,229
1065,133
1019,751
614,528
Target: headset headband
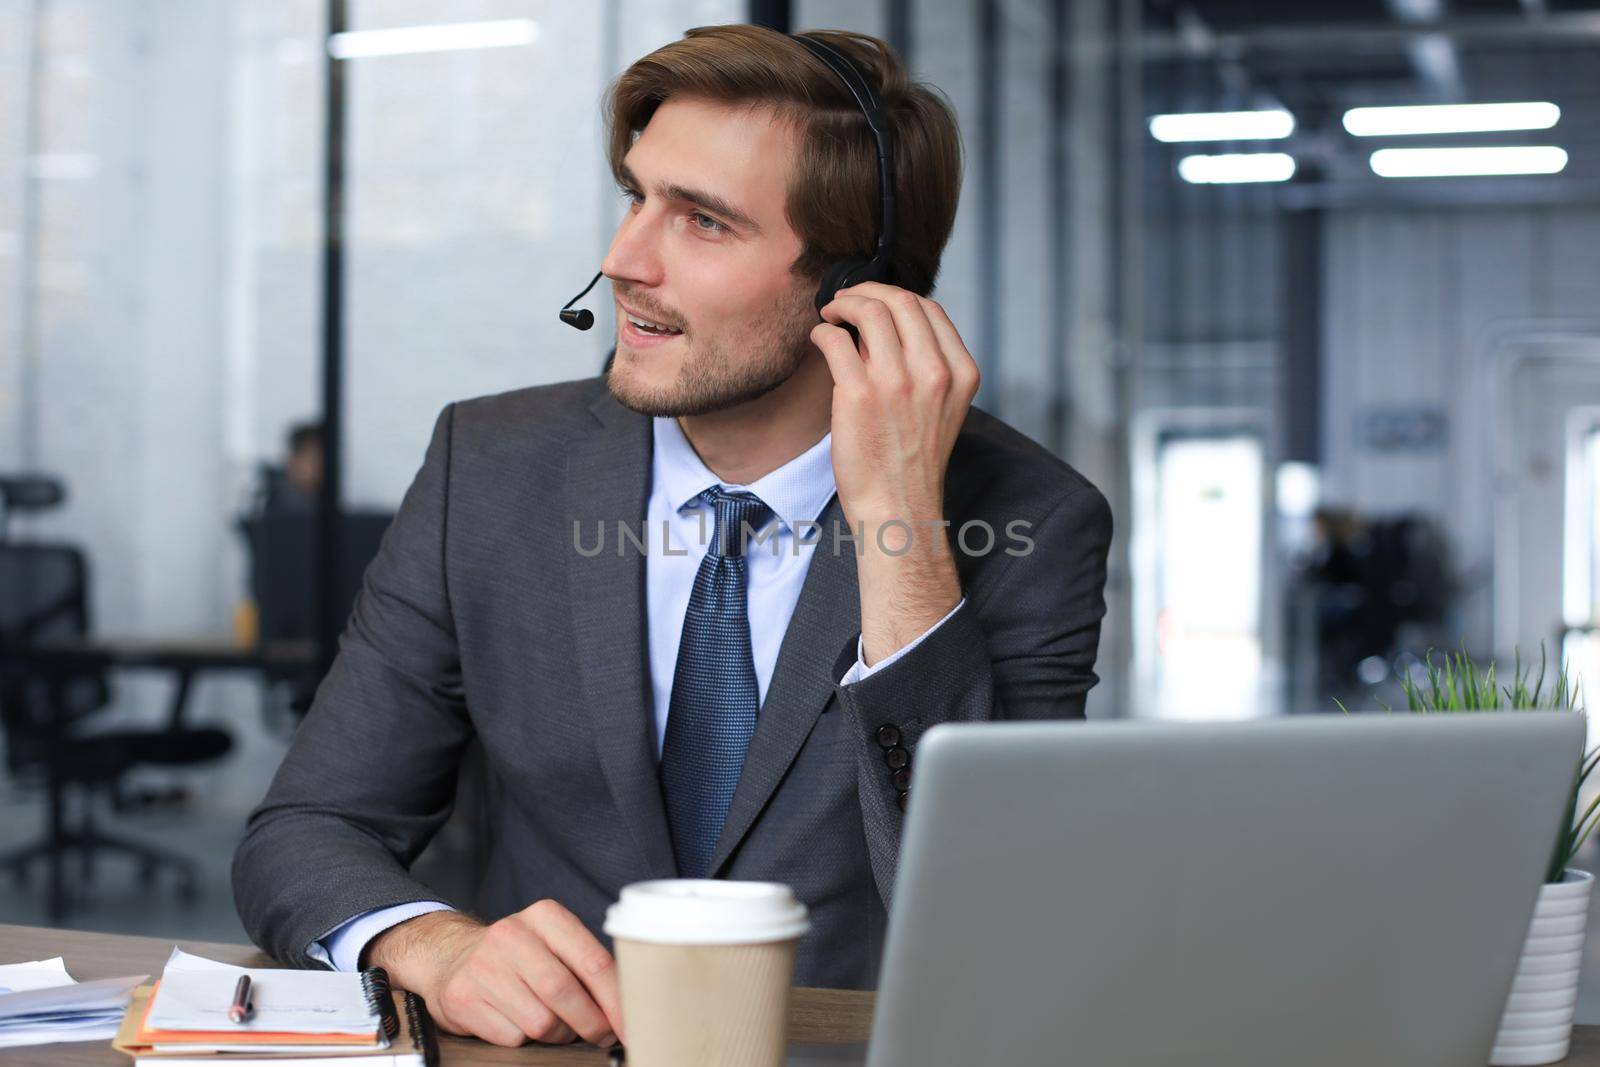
x,y
861,89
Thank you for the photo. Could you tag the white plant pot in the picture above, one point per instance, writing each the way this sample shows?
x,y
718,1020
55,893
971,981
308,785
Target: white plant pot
x,y
1537,1024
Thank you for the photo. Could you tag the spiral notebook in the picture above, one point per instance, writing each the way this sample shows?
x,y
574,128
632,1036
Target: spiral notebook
x,y
299,1017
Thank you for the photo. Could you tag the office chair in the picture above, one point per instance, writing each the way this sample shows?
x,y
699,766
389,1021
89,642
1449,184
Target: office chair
x,y
43,597
283,546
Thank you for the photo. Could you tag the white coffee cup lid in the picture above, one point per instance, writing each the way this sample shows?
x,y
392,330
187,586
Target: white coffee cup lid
x,y
706,911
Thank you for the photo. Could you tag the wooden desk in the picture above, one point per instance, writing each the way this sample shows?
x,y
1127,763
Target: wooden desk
x,y
827,1026
820,1017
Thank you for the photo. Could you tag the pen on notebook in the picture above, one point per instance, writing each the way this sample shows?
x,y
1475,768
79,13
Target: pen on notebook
x,y
239,1010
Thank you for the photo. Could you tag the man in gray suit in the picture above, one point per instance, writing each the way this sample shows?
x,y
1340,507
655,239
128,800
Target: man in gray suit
x,y
698,611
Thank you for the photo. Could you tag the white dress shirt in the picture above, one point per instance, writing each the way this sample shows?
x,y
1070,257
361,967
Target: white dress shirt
x,y
775,568
678,533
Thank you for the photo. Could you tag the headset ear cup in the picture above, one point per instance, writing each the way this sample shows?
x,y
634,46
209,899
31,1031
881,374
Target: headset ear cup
x,y
838,277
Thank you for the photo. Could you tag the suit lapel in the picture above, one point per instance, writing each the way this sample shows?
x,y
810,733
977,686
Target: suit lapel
x,y
826,618
608,479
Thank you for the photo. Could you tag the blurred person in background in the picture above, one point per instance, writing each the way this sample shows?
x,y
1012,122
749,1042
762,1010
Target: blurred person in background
x,y
299,487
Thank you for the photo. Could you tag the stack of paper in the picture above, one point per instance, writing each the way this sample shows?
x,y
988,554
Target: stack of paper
x,y
41,1004
298,1019
295,1008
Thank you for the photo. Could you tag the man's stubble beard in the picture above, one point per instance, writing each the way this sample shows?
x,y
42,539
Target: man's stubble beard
x,y
716,377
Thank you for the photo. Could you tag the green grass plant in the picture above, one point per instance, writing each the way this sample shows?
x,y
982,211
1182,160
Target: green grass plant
x,y
1456,684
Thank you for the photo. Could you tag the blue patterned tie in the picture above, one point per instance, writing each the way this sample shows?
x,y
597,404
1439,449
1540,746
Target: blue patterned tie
x,y
712,715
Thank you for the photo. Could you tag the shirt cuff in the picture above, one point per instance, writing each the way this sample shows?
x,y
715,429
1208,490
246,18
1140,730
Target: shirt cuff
x,y
860,671
341,949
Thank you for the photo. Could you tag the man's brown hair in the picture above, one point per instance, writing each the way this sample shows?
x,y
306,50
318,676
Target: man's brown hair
x,y
833,198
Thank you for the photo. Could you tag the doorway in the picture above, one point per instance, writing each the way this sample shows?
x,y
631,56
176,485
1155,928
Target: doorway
x,y
1199,539
1547,530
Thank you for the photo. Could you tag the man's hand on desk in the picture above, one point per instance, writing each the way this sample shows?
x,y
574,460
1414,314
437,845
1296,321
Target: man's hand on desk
x,y
537,974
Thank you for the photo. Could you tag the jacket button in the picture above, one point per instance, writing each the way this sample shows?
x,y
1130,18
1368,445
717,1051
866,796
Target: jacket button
x,y
897,758
901,799
888,736
902,779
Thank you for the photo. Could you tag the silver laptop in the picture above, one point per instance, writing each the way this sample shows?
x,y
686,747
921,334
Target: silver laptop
x,y
1319,891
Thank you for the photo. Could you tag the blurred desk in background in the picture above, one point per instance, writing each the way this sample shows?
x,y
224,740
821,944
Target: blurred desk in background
x,y
57,662
184,657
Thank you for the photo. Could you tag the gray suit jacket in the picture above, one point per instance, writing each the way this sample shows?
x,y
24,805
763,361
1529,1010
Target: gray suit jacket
x,y
480,618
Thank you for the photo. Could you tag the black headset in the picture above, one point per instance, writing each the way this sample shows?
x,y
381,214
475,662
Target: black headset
x,y
846,272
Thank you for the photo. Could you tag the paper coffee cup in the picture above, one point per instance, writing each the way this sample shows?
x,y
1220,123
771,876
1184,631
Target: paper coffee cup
x,y
705,967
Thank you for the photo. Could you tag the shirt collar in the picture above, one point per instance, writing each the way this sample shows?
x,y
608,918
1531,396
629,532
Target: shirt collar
x,y
796,492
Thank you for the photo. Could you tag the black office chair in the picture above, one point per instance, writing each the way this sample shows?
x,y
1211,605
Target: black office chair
x,y
283,548
43,706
